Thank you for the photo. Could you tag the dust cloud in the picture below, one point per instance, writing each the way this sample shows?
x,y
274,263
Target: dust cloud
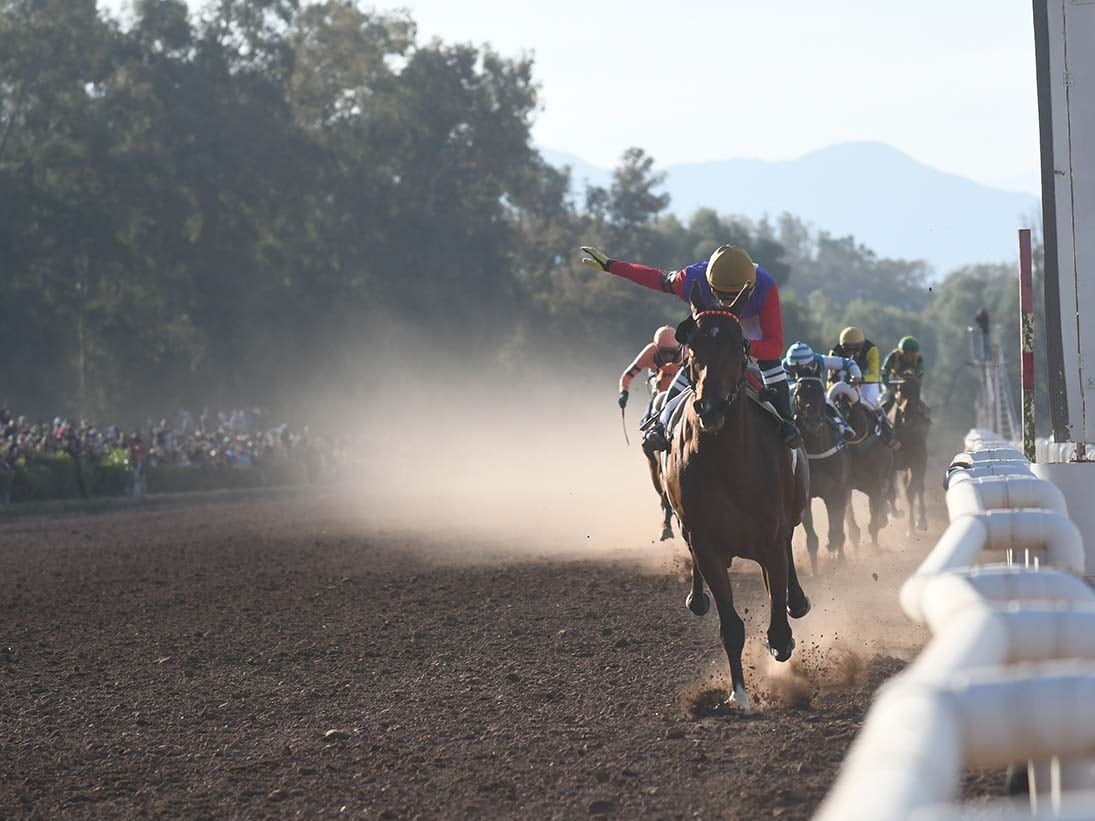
x,y
532,468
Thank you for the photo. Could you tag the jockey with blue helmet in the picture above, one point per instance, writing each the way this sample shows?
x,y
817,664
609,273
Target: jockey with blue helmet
x,y
802,362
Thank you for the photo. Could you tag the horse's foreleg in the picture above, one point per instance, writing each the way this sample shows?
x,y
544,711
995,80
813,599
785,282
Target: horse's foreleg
x,y
780,641
854,534
920,497
811,535
878,516
655,468
798,605
667,518
836,506
698,601
731,627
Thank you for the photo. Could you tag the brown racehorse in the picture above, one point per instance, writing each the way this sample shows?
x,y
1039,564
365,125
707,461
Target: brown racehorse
x,y
735,489
910,420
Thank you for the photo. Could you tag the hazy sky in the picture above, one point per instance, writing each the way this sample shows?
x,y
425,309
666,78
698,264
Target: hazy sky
x,y
950,83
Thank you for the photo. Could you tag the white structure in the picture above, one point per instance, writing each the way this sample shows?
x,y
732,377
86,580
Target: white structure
x,y
1065,45
1009,675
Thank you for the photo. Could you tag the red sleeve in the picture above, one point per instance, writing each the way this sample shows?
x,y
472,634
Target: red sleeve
x,y
770,345
649,277
645,359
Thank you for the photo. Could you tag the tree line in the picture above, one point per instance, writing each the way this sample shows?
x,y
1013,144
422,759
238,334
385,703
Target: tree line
x,y
235,205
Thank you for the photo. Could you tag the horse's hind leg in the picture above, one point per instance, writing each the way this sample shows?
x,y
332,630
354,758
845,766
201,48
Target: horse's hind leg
x,y
811,535
731,627
798,605
698,602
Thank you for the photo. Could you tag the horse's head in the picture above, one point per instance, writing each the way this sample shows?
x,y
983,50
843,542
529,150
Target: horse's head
x,y
907,389
718,354
809,403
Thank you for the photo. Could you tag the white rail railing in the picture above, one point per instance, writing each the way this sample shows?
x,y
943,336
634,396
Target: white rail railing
x,y
1009,674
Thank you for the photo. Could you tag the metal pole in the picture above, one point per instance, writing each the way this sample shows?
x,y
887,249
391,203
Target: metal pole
x,y
1026,323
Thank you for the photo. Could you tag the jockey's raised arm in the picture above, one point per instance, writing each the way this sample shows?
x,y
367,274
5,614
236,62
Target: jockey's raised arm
x,y
732,281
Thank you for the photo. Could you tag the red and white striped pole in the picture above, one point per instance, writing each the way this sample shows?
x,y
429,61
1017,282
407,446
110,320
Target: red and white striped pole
x,y
1026,322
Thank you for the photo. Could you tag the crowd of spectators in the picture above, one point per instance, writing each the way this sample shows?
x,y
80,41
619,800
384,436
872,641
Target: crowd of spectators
x,y
210,440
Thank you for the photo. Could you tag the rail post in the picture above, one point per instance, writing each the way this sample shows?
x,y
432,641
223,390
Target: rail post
x,y
1026,322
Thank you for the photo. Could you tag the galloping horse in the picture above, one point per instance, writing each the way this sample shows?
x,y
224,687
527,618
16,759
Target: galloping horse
x,y
871,468
830,466
910,420
735,488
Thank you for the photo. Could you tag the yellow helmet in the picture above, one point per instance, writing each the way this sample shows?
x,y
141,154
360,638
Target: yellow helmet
x,y
852,336
730,271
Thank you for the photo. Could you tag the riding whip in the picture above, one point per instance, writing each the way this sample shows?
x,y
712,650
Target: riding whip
x,y
623,419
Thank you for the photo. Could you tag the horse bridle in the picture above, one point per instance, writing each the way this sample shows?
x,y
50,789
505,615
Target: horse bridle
x,y
724,404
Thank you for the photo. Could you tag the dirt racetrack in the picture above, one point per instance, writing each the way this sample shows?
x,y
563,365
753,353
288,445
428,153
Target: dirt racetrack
x,y
283,656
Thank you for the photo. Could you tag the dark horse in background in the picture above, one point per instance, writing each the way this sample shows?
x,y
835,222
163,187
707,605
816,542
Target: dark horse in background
x,y
830,466
736,488
871,467
910,420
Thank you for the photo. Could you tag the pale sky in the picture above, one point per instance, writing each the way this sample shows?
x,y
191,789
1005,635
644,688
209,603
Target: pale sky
x,y
949,82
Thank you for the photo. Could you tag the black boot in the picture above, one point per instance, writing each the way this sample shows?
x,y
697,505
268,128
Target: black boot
x,y
780,394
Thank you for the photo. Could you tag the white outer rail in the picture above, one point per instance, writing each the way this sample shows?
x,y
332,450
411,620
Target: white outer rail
x,y
1009,675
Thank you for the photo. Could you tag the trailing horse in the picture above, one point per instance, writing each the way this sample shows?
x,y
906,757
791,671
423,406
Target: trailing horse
x,y
735,488
830,466
909,417
871,468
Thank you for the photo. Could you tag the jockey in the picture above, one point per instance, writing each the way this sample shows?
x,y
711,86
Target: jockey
x,y
730,273
854,345
905,357
664,356
801,362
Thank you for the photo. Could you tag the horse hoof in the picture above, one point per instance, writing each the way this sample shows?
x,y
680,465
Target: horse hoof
x,y
922,526
698,606
785,653
739,699
802,610
667,533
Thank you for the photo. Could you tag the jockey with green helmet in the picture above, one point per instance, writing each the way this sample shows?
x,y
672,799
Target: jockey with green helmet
x,y
729,278
904,359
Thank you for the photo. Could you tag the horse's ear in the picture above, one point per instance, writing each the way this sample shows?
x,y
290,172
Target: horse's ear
x,y
695,298
685,330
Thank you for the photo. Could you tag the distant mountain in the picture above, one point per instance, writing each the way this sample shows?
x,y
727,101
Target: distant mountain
x,y
890,202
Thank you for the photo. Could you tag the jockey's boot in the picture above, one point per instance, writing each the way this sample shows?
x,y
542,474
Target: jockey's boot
x,y
780,394
654,439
